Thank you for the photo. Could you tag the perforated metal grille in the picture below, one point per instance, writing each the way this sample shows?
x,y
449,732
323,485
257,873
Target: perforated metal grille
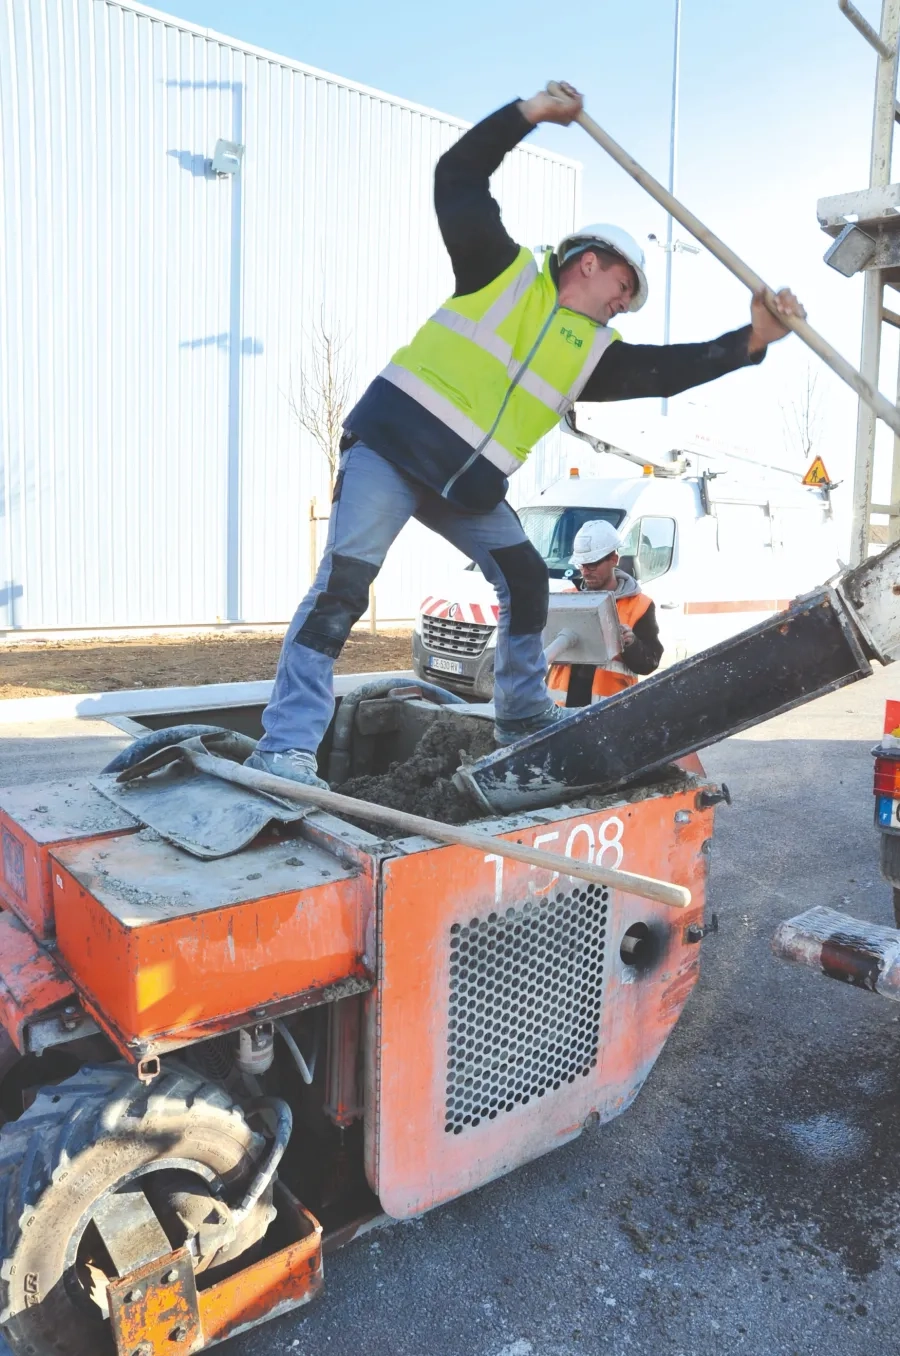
x,y
526,988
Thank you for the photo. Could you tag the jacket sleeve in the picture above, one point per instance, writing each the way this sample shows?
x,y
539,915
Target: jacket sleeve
x,y
633,371
644,654
478,243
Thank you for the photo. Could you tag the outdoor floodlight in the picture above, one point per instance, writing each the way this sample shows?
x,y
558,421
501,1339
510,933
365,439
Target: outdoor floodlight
x,y
228,157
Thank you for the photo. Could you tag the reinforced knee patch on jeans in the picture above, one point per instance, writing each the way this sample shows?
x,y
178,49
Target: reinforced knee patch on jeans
x,y
529,593
341,603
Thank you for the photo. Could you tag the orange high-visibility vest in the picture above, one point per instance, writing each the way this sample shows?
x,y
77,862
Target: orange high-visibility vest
x,y
615,675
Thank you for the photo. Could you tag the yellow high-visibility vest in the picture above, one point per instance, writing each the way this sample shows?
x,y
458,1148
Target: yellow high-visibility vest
x,y
501,366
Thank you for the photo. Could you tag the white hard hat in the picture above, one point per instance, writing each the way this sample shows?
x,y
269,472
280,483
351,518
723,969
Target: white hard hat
x,y
594,541
609,238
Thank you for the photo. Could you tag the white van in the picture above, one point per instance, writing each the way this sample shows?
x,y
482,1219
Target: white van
x,y
716,550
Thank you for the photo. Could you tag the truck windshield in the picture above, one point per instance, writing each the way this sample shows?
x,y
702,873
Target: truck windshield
x,y
552,530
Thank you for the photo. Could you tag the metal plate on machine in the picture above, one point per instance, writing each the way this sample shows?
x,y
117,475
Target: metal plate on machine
x,y
272,1285
504,1017
782,662
207,817
130,1230
154,1308
140,882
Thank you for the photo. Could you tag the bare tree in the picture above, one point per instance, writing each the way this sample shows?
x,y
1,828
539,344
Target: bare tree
x,y
319,404
803,415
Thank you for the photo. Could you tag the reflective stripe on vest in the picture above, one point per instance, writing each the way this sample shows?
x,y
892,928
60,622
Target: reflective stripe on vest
x,y
605,683
448,413
500,367
614,676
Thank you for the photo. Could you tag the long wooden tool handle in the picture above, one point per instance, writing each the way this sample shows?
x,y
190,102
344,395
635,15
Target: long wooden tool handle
x,y
846,371
662,891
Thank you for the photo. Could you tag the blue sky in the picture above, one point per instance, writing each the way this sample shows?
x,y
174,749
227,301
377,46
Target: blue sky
x,y
776,112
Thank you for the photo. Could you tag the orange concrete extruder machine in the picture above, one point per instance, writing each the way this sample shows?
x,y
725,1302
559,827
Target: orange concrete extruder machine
x,y
238,1032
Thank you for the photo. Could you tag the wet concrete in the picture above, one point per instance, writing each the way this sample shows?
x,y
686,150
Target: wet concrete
x,y
422,785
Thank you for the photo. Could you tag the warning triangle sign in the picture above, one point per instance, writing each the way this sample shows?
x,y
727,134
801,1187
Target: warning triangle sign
x,y
817,475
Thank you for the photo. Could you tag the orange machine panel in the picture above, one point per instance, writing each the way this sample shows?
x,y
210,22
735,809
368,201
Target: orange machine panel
x,y
271,1286
36,819
32,986
150,1301
510,1009
168,948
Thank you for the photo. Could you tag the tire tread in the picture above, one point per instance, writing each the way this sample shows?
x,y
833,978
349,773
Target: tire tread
x,y
102,1102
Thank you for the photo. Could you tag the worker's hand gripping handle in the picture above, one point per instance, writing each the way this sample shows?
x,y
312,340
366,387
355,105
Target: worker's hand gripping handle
x,y
879,403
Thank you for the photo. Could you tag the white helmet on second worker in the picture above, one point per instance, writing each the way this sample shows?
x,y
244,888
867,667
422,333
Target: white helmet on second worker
x,y
616,240
594,541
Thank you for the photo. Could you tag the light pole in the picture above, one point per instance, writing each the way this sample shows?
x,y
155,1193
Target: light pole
x,y
673,153
672,246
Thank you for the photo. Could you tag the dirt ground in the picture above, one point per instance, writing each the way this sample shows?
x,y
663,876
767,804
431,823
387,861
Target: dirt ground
x,y
42,669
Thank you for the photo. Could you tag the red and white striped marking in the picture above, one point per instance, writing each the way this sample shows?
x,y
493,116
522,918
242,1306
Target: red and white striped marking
x,y
481,614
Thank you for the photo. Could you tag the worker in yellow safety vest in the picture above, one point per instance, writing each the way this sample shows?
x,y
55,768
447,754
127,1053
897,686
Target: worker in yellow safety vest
x,y
459,408
595,554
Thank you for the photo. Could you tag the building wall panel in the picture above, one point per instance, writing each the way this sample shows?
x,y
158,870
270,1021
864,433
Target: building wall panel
x,y
155,319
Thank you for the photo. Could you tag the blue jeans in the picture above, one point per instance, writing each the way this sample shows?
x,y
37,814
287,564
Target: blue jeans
x,y
372,502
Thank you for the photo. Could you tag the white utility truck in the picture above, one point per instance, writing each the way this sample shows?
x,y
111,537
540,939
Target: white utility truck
x,y
718,540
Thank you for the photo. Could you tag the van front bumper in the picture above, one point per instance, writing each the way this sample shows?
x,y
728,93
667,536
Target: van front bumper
x,y
474,677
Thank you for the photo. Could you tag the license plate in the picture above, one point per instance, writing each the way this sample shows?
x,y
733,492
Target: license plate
x,y
888,812
444,665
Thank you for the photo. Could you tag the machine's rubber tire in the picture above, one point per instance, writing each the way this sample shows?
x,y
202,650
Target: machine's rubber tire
x,y
77,1141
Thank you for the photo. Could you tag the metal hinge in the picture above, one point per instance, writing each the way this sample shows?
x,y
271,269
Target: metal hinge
x,y
695,932
706,799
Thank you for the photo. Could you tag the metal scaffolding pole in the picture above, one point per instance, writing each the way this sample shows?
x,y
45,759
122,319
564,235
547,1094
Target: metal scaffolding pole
x,y
893,533
873,298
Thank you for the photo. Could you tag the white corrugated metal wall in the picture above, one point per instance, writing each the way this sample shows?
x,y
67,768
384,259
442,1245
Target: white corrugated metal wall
x,y
154,318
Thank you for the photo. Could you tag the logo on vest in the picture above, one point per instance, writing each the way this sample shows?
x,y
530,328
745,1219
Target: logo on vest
x,y
571,338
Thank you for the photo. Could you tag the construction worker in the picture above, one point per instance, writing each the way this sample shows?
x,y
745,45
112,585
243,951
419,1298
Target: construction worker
x,y
437,433
595,554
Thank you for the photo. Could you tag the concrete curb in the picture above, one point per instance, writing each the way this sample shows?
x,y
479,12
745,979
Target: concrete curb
x,y
152,701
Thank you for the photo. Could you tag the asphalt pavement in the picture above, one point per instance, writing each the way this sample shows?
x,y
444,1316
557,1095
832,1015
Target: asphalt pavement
x,y
749,1200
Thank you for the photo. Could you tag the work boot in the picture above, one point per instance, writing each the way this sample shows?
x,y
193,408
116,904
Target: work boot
x,y
511,731
295,764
